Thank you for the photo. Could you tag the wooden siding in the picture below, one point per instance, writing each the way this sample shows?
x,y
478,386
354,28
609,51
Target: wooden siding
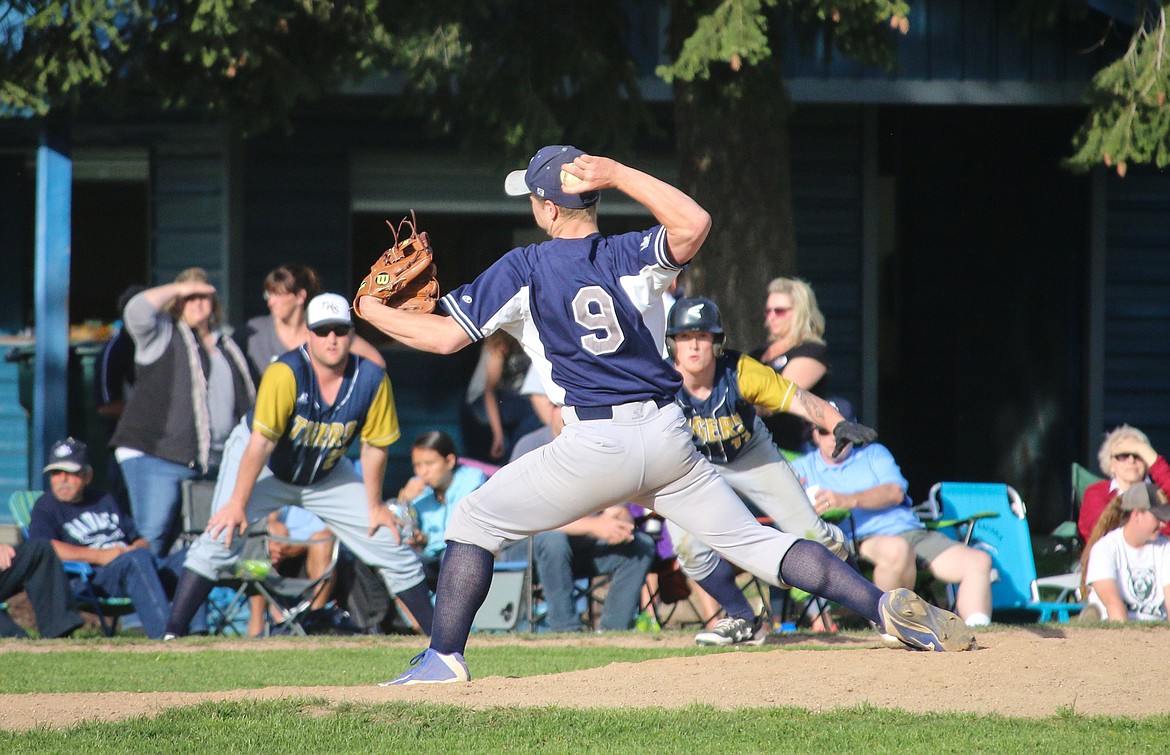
x,y
191,207
960,52
297,210
1136,354
826,166
14,431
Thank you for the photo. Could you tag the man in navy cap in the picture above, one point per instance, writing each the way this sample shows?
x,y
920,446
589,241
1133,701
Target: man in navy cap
x,y
87,525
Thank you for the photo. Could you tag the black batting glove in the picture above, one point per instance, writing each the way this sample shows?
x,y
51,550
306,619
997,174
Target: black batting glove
x,y
847,432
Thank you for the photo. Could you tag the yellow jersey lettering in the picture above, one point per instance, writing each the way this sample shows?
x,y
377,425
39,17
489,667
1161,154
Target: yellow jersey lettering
x,y
699,428
300,424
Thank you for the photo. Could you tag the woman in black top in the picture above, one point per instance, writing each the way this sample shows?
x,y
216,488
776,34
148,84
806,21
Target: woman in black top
x,y
795,347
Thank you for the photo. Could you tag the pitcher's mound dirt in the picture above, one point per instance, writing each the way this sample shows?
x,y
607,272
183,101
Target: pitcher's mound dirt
x,y
1019,671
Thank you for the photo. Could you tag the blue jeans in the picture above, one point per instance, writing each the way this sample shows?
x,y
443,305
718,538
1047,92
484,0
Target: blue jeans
x,y
560,558
154,488
139,576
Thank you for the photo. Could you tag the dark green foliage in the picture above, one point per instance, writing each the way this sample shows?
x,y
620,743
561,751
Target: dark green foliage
x,y
247,61
1129,119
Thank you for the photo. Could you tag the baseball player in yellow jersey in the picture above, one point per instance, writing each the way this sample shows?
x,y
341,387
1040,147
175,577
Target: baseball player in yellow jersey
x,y
721,389
313,402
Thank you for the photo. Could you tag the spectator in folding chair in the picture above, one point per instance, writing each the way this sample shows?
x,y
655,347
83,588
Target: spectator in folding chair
x,y
311,557
83,524
1126,566
33,567
439,482
313,403
590,546
606,543
1126,459
719,395
868,483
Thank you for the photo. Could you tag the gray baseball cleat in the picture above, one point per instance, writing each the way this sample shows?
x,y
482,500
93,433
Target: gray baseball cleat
x,y
732,631
922,626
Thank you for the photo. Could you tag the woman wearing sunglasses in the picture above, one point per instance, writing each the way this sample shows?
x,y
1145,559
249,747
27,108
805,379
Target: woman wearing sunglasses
x,y
1127,459
795,348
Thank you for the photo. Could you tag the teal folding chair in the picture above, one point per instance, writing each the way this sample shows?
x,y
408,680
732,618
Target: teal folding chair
x,y
1007,539
107,609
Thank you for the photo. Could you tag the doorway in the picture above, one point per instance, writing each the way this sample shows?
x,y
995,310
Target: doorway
x,y
983,291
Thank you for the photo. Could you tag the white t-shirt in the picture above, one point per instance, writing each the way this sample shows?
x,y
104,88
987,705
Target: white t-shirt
x,y
1142,574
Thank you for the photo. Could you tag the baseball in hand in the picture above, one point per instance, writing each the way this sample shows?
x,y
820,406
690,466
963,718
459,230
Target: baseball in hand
x,y
568,180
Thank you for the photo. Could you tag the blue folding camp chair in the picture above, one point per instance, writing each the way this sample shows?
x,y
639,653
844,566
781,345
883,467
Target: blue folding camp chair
x,y
1007,539
107,609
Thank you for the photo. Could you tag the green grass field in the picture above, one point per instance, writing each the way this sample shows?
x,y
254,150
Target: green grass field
x,y
313,725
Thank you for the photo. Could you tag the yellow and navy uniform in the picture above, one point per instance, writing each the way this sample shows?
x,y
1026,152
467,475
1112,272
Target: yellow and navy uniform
x,y
311,436
722,423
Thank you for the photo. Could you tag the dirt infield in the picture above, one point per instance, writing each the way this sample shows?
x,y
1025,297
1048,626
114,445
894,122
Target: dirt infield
x,y
1019,671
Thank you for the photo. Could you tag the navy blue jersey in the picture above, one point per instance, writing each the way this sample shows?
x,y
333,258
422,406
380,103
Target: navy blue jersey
x,y
310,434
587,311
723,423
95,522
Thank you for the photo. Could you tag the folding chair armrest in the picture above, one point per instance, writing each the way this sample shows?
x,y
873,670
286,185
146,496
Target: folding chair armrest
x,y
945,523
78,568
835,516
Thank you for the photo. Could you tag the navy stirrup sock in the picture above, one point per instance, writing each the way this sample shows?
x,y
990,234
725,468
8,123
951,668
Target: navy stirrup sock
x,y
464,580
418,601
191,593
813,568
720,585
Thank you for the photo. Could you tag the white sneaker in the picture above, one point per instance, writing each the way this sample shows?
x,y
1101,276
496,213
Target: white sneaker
x,y
732,631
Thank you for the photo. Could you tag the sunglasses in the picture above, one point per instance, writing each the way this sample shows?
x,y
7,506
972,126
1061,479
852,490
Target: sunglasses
x,y
337,330
1127,457
776,311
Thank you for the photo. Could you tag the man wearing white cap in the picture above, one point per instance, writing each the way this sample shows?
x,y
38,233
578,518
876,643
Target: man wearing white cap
x,y
313,402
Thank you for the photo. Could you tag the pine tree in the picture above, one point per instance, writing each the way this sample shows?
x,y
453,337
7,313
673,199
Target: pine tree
x,y
1129,115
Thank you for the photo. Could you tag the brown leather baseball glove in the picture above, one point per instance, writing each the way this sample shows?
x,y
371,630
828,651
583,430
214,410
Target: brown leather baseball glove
x,y
404,276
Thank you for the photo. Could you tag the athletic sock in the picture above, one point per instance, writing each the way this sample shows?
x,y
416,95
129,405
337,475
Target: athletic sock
x,y
190,594
464,580
978,620
720,585
813,568
418,601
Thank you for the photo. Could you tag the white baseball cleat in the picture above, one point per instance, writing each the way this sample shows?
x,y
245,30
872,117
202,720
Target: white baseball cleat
x,y
429,667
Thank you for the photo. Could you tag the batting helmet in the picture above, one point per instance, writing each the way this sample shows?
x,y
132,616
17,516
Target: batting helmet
x,y
695,314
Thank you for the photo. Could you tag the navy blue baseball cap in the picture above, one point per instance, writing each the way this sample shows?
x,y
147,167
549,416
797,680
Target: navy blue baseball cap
x,y
68,455
844,406
543,178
